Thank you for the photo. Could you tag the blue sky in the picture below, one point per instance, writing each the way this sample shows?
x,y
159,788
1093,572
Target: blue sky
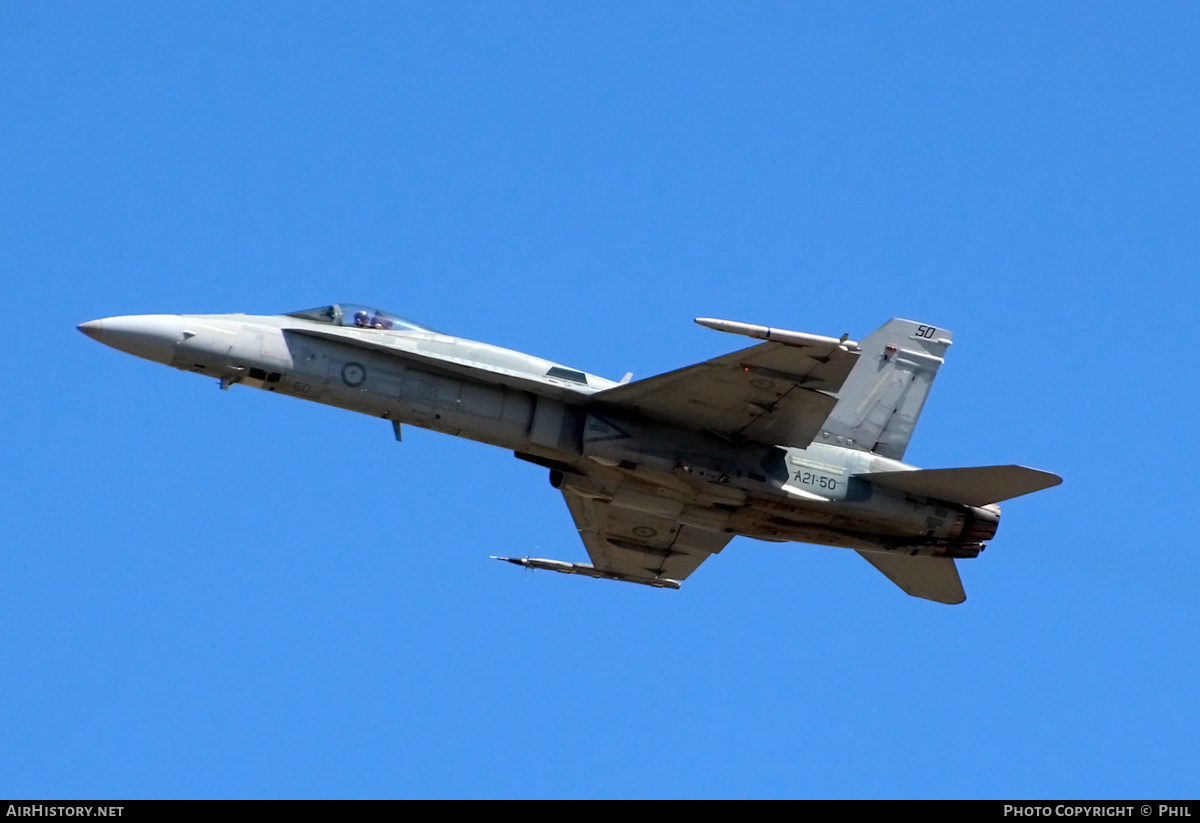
x,y
208,594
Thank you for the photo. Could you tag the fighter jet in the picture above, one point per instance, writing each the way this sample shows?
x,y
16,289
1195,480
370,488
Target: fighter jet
x,y
798,438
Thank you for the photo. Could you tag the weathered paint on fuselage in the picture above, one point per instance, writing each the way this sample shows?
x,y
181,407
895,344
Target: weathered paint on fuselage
x,y
508,399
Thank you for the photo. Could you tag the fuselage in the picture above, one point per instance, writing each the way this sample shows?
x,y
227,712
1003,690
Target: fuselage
x,y
557,417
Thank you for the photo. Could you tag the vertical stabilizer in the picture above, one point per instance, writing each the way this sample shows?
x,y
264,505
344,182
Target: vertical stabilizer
x,y
882,398
930,578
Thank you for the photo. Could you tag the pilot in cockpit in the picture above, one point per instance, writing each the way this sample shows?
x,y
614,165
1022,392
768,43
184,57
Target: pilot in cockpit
x,y
363,317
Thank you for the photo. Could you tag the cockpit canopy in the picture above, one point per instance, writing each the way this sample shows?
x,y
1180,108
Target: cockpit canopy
x,y
363,317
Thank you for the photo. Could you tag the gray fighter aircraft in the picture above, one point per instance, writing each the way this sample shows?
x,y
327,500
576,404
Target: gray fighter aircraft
x,y
798,438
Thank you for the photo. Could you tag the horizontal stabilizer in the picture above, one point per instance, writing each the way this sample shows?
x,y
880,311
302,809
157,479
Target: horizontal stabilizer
x,y
976,486
930,578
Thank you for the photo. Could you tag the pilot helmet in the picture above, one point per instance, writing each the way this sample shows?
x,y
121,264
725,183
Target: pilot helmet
x,y
361,318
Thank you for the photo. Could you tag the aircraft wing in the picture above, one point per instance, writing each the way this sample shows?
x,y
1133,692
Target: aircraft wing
x,y
772,393
635,545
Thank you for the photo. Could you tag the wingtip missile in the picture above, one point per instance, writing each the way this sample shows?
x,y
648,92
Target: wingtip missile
x,y
790,338
588,570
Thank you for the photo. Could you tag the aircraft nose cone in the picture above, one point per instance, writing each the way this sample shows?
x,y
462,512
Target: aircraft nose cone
x,y
151,336
92,328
